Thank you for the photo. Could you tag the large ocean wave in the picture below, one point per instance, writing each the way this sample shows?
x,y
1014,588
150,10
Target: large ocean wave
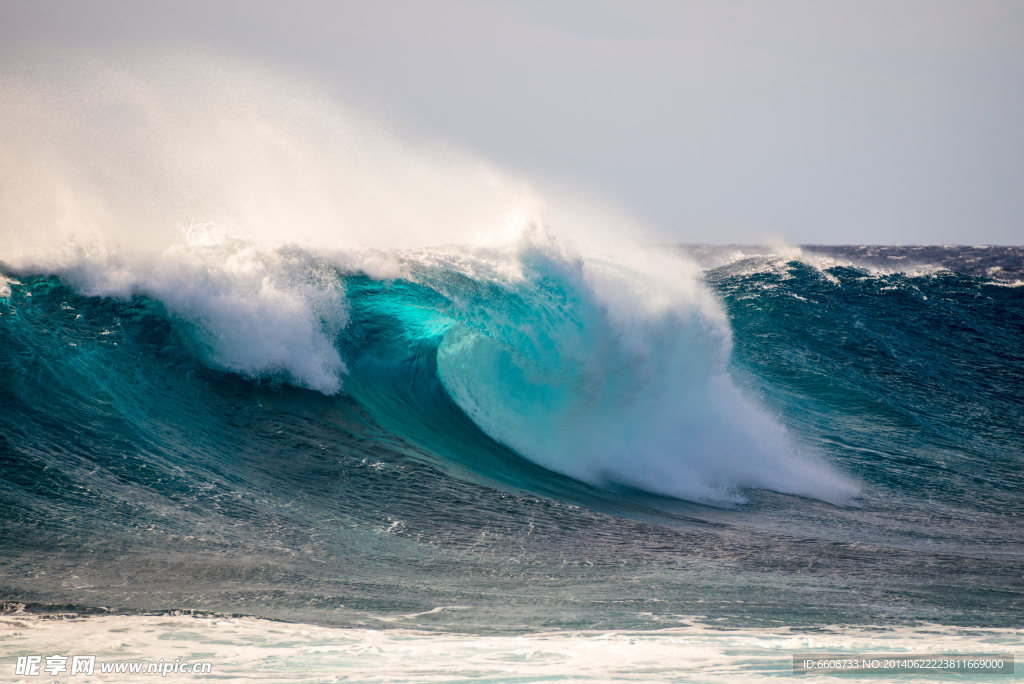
x,y
607,369
609,373
261,354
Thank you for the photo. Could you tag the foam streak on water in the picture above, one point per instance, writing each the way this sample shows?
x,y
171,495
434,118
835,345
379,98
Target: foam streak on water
x,y
246,650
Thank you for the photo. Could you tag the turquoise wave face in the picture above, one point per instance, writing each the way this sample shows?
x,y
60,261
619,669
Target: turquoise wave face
x,y
546,429
588,369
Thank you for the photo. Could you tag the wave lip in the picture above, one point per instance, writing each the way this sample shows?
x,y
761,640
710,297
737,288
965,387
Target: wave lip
x,y
254,311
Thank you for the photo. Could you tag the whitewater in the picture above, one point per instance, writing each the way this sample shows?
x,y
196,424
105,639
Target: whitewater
x,y
270,361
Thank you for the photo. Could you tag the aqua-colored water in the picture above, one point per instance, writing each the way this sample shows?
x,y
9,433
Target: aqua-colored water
x,y
529,438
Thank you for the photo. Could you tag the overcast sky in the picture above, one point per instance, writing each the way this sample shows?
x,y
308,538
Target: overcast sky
x,y
897,122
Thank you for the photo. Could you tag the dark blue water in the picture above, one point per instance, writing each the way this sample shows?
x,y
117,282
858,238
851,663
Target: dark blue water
x,y
844,444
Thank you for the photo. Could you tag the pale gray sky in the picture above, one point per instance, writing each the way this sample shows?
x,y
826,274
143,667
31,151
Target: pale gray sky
x,y
713,121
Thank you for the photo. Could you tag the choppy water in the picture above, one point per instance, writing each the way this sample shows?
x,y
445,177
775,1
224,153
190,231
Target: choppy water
x,y
508,451
240,374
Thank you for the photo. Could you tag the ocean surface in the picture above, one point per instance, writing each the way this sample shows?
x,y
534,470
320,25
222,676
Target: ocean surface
x,y
513,439
295,392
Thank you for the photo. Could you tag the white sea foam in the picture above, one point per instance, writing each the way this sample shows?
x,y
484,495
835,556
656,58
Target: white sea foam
x,y
5,285
249,649
775,259
256,311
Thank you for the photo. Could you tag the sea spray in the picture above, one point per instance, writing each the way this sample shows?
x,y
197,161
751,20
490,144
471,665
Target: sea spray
x,y
241,203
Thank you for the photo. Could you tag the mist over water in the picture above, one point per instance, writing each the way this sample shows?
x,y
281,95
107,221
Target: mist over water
x,y
127,152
